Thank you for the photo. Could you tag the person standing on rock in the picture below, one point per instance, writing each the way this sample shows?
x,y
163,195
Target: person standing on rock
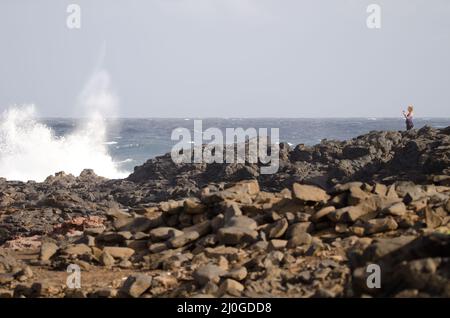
x,y
409,118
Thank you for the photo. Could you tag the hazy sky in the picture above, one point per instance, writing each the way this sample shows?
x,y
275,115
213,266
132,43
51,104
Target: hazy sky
x,y
230,58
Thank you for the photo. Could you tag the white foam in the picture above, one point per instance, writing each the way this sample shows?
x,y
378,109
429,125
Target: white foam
x,y
29,150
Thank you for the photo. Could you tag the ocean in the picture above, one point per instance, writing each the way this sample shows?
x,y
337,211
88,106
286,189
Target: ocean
x,y
131,142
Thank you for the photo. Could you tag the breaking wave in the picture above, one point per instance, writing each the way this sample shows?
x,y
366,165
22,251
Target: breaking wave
x,y
30,150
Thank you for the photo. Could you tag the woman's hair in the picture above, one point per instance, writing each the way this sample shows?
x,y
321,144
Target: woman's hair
x,y
410,108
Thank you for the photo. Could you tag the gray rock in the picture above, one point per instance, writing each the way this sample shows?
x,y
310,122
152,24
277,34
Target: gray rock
x,y
208,274
322,213
277,229
397,209
297,228
48,249
136,285
183,239
380,225
300,239
119,252
432,219
106,259
231,287
234,235
193,206
164,233
305,192
77,249
242,221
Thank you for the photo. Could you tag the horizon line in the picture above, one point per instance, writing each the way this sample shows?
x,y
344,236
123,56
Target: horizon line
x,y
249,118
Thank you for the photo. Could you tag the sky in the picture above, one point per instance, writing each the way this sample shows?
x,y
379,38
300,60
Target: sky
x,y
229,58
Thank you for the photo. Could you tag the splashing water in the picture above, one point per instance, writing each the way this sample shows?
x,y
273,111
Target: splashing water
x,y
30,150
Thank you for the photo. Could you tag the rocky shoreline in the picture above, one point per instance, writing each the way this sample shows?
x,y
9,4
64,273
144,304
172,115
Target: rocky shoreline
x,y
220,230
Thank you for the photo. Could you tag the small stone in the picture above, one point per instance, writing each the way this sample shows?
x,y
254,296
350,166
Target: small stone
x,y
164,233
110,238
157,247
208,273
297,228
305,192
231,211
412,196
350,213
48,249
277,229
141,236
380,225
235,235
305,277
106,259
183,239
171,206
93,231
341,228
299,240
242,221
166,281
83,264
397,209
125,234
391,193
217,222
27,272
322,273
218,251
77,249
277,244
346,186
238,273
137,245
6,278
5,293
119,252
231,287
357,196
202,228
322,213
339,200
105,293
357,230
432,219
418,205
136,285
193,206
250,187
223,263
260,246
74,293
125,264
87,239
380,189
290,217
